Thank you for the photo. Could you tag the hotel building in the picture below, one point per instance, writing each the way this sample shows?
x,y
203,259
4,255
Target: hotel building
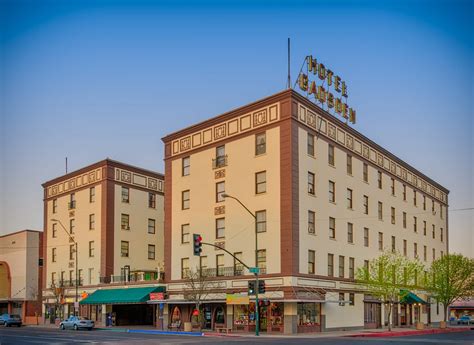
x,y
114,213
326,200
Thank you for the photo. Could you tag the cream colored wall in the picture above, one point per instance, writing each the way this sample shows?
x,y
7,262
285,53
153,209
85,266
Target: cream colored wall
x,y
344,315
20,251
138,236
82,235
239,182
322,244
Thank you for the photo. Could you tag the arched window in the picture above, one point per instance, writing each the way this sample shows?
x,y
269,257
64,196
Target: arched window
x,y
219,315
176,315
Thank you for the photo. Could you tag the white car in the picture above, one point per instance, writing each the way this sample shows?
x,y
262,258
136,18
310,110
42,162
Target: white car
x,y
76,323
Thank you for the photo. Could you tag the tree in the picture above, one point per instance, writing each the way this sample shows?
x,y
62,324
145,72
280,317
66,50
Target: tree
x,y
451,278
388,277
197,287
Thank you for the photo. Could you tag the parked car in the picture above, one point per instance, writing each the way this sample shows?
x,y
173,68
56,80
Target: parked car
x,y
76,323
465,320
9,320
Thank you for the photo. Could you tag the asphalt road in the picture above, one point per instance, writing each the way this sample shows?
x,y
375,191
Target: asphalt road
x,y
32,335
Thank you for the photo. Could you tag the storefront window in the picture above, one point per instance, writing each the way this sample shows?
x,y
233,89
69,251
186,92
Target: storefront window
x,y
276,310
176,315
219,316
308,314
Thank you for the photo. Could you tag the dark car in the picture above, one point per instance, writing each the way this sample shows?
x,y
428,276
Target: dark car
x,y
77,322
9,320
465,320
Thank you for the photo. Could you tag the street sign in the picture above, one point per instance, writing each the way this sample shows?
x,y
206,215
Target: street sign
x,y
162,305
254,270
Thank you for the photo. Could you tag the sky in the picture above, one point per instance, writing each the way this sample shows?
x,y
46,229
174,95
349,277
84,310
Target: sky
x,y
94,79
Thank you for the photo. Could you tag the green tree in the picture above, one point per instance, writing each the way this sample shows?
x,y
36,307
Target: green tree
x,y
451,278
387,276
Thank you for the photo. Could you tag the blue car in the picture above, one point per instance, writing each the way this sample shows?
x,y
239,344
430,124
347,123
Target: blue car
x,y
465,320
9,320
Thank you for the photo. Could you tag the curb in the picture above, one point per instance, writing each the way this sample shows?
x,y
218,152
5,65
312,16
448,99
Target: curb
x,y
149,331
214,334
407,333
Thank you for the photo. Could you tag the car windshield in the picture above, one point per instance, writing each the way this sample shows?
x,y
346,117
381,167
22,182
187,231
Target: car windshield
x,y
14,316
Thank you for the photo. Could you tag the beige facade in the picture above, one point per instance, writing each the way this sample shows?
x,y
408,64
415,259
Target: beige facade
x,y
313,197
114,212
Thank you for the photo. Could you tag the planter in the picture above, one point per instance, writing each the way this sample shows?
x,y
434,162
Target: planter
x,y
420,325
442,324
188,327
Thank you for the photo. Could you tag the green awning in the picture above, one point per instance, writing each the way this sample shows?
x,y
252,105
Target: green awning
x,y
122,296
408,297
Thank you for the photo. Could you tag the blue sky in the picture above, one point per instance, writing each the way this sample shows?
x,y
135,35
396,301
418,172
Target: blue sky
x,y
96,79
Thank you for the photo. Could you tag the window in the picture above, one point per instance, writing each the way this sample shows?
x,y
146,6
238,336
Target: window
x,y
92,194
425,253
53,255
184,268
151,200
366,204
414,197
151,252
349,164
432,207
72,201
341,266
79,278
424,228
441,211
220,191
311,222
415,250
91,221
404,193
310,146
91,249
71,252
366,268
332,227
332,191
349,198
220,227
366,237
380,241
261,220
91,275
186,166
393,215
331,265
393,186
351,268
53,278
54,230
238,267
220,264
434,254
72,225
415,225
441,234
151,226
311,261
55,205
424,203
260,144
262,259
311,189
202,264
331,159
125,194
350,233
380,210
351,298
124,246
125,221
341,298
394,248
185,233
366,172
379,179
404,220
405,247
221,158
434,234
185,196
261,182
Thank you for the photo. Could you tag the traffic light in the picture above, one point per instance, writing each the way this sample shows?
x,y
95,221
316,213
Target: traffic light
x,y
251,287
261,286
197,244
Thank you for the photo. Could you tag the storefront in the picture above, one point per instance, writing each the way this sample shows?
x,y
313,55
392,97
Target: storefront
x,y
212,315
309,317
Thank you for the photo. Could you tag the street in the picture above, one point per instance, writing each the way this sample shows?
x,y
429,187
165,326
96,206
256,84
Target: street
x,y
31,335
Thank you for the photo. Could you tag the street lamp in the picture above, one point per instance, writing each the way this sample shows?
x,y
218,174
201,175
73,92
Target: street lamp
x,y
257,318
75,244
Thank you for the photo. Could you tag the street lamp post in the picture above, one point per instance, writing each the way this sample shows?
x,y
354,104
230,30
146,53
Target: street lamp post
x,y
77,269
257,316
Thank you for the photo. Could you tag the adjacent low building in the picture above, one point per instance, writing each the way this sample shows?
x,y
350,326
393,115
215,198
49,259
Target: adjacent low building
x,y
21,266
326,199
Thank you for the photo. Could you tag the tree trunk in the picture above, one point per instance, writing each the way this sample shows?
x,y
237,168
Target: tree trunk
x,y
389,314
445,309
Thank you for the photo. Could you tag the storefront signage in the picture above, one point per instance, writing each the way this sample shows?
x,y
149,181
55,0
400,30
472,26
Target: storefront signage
x,y
237,299
157,296
326,87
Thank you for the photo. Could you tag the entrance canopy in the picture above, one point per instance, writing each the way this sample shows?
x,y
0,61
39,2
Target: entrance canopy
x,y
122,296
408,297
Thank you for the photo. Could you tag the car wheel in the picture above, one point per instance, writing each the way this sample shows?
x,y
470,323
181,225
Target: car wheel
x,y
62,327
90,328
75,327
